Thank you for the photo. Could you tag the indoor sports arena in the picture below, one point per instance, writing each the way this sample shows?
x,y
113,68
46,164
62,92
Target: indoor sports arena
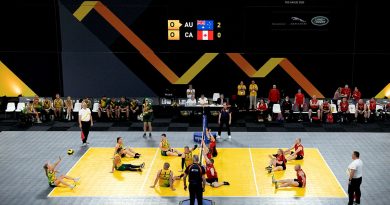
x,y
153,102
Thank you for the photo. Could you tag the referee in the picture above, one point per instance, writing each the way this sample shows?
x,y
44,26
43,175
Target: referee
x,y
85,121
196,179
355,178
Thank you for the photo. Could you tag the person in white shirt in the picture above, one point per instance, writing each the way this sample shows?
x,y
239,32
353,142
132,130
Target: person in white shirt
x,y
190,91
85,122
355,174
191,101
203,100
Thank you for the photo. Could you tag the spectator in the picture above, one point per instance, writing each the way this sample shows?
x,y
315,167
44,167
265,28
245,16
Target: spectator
x,y
262,109
221,100
203,100
252,95
287,109
191,101
69,108
37,108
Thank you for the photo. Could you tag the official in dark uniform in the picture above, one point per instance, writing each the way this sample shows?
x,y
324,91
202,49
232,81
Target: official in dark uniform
x,y
197,180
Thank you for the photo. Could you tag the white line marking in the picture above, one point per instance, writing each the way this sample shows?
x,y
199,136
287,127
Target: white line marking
x,y
148,173
331,171
67,173
254,173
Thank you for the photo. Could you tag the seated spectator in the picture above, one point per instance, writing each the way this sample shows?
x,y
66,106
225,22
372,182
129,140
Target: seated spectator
x,y
69,108
273,97
203,100
262,110
287,109
325,109
191,101
47,109
337,96
134,108
314,106
123,107
361,110
371,108
37,106
58,105
104,107
344,110
356,95
346,92
221,100
190,91
299,101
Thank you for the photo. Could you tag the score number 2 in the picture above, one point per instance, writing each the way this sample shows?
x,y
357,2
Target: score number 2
x,y
219,33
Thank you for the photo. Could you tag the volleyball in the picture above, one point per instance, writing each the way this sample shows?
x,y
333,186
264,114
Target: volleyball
x,y
70,151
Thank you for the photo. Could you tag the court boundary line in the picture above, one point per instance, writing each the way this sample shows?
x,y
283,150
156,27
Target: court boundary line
x,y
254,172
148,173
327,165
89,148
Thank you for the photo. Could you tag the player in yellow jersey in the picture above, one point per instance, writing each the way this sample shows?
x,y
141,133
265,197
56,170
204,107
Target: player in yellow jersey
x,y
127,151
166,149
186,158
58,105
118,165
50,171
165,177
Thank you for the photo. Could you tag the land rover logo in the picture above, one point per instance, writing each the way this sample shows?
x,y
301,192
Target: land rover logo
x,y
319,21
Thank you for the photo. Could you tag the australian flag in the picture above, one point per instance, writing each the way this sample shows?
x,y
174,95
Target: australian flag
x,y
205,25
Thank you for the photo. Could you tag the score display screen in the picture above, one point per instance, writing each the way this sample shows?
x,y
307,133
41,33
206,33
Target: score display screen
x,y
194,30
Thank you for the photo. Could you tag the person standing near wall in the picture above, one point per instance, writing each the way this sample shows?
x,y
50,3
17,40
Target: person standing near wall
x,y
253,88
355,170
147,112
85,122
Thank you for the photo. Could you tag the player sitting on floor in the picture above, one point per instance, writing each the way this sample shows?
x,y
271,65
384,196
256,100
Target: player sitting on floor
x,y
165,177
127,152
50,171
213,143
211,173
298,153
300,181
118,165
166,149
278,161
186,158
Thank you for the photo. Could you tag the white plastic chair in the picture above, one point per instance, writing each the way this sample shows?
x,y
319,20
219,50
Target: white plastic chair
x,y
20,107
77,107
352,109
216,96
95,107
10,108
333,108
276,108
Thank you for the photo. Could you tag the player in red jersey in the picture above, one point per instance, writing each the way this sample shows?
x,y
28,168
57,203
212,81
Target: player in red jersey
x,y
346,92
371,108
211,172
344,109
278,161
314,107
361,110
298,103
356,95
262,108
325,109
298,153
300,181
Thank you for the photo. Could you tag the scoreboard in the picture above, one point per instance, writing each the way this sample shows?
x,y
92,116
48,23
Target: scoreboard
x,y
194,30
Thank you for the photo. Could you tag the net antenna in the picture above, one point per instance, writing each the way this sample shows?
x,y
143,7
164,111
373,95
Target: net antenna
x,y
204,127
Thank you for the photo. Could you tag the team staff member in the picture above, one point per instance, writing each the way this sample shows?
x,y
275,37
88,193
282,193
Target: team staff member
x,y
314,107
298,102
355,170
252,95
273,97
361,109
58,106
325,109
225,117
343,109
197,181
298,153
147,112
241,89
85,121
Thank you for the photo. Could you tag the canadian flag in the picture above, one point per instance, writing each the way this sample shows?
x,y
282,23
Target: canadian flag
x,y
205,35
